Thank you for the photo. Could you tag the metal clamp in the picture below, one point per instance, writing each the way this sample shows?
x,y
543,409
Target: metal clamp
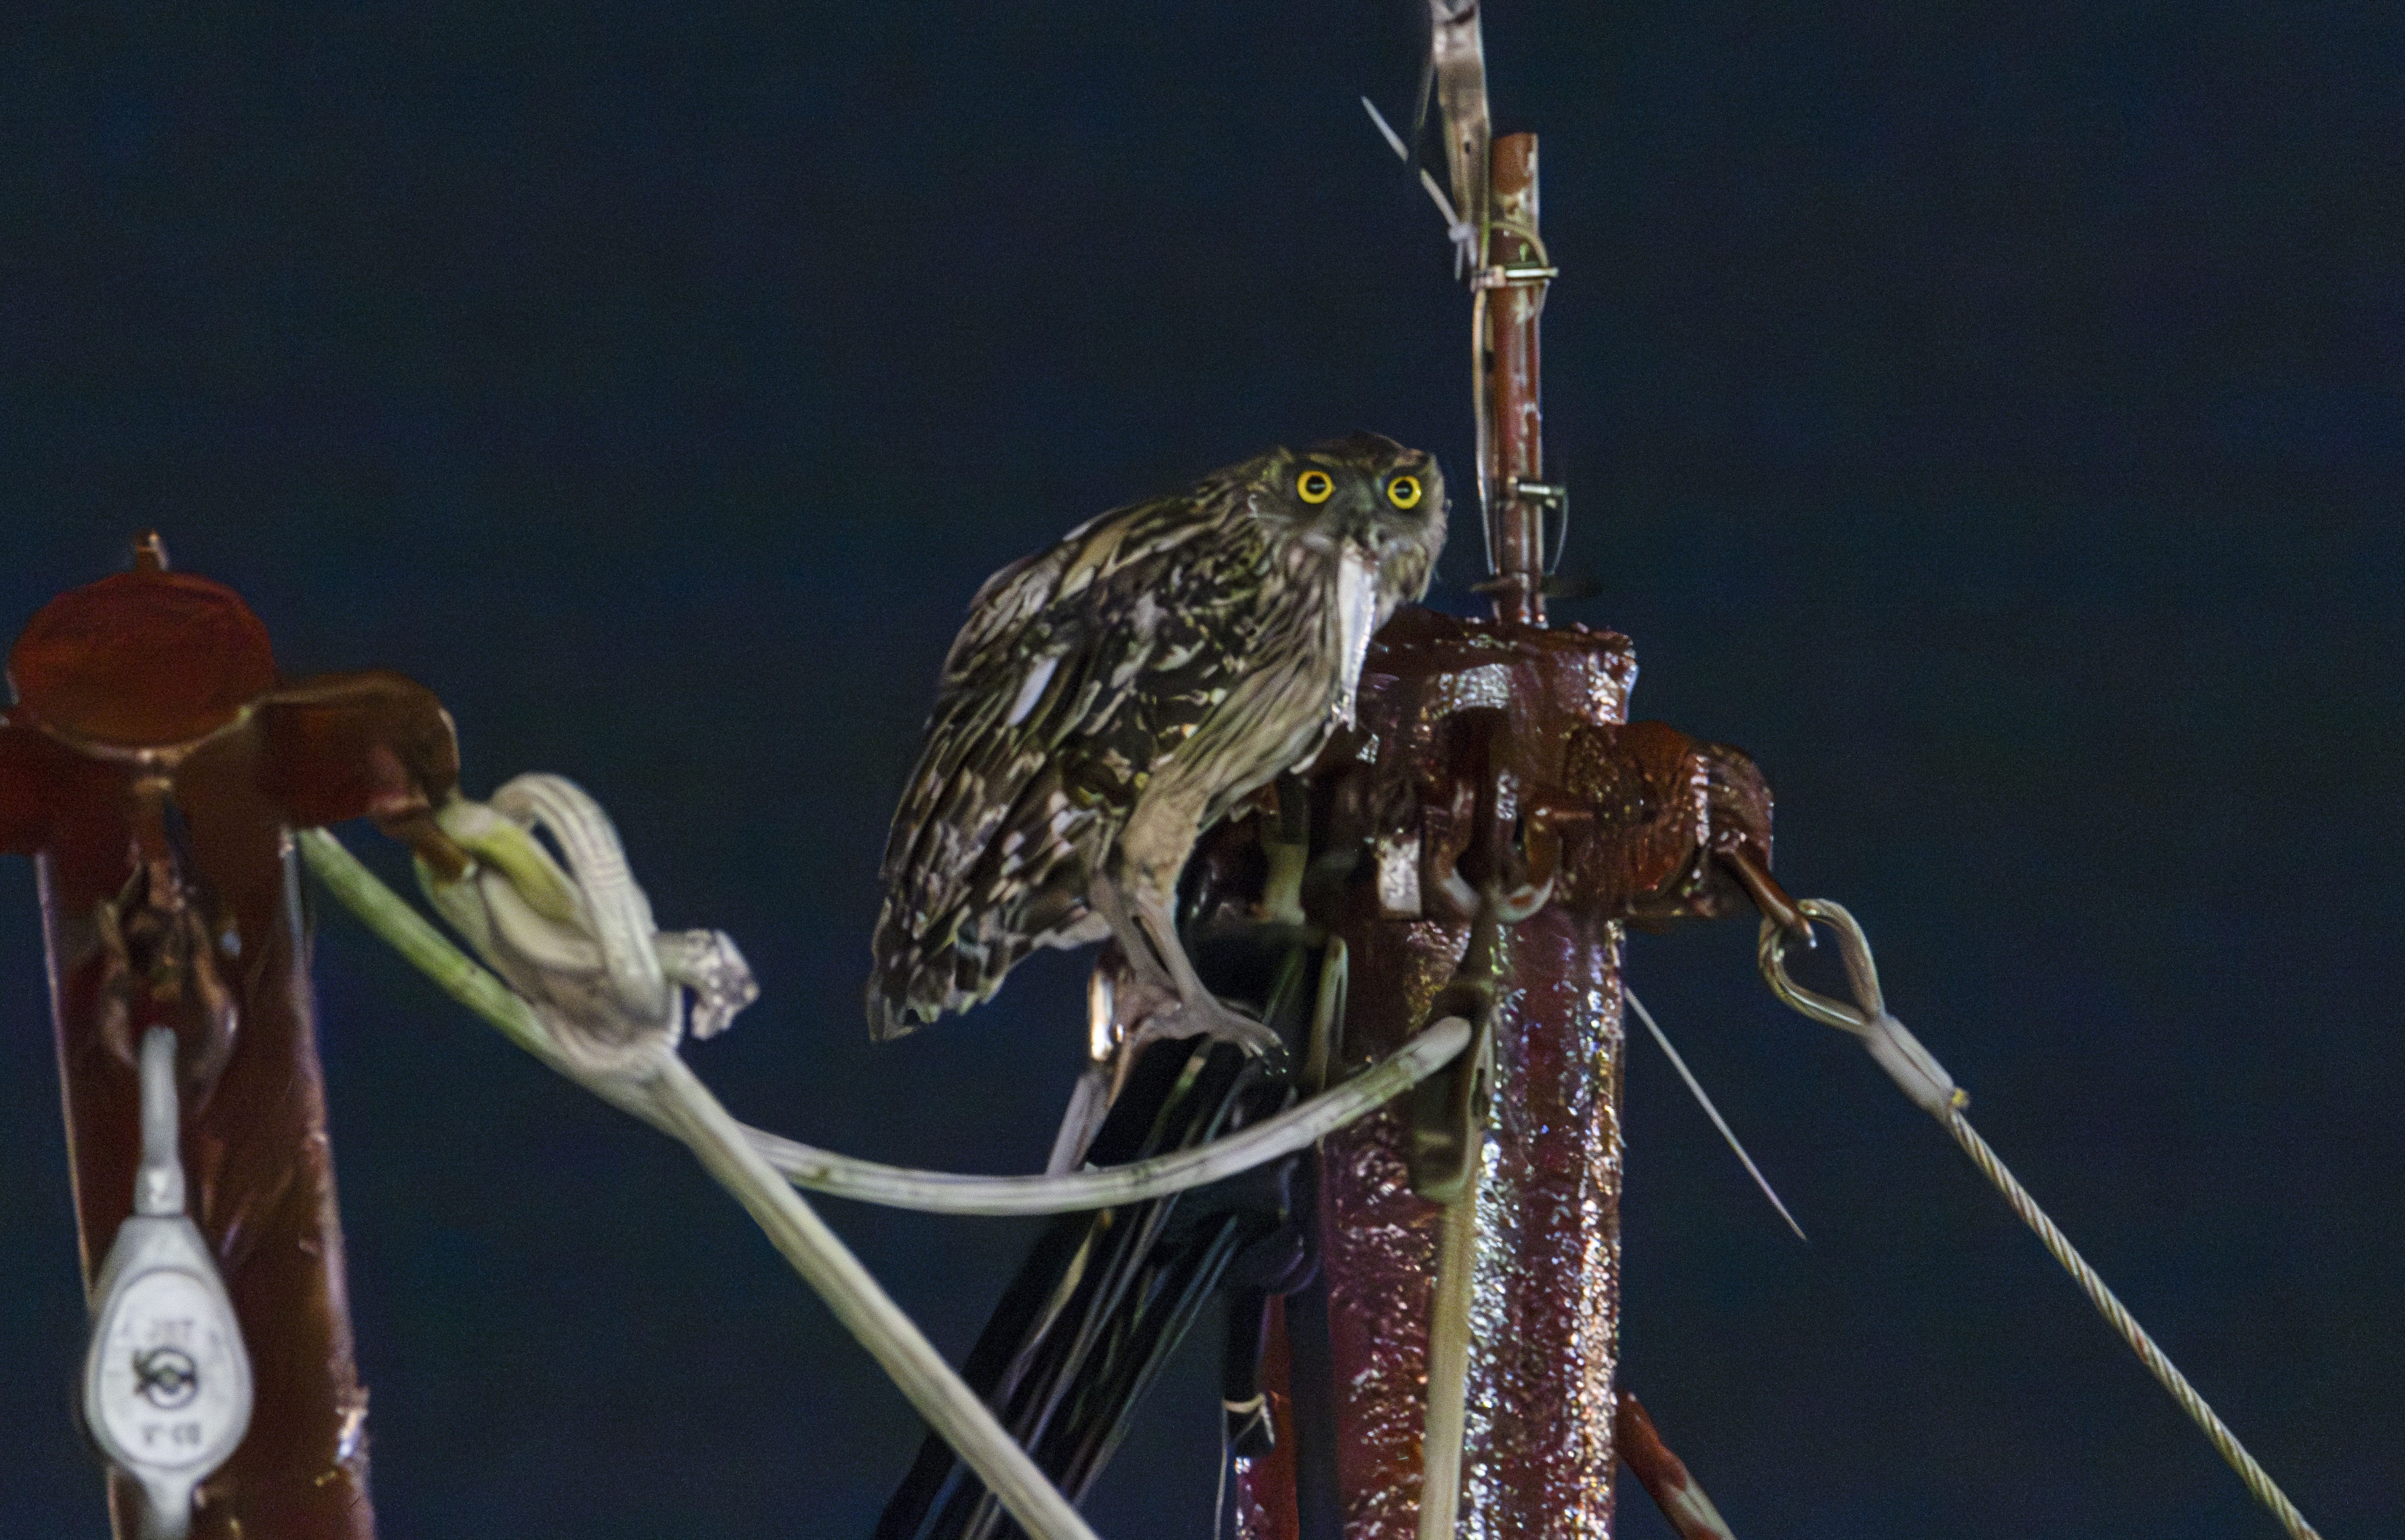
x,y
1514,278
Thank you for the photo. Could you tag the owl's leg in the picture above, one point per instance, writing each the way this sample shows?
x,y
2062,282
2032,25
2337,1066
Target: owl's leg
x,y
1148,935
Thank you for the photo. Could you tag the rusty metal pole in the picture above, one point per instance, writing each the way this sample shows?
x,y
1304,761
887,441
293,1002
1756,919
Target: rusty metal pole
x,y
1479,725
154,767
1496,756
1515,437
1475,728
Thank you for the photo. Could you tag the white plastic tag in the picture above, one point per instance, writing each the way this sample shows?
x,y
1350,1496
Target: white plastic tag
x,y
166,1383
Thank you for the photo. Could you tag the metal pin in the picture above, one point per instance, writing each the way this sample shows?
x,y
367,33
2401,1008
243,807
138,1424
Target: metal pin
x,y
1712,1113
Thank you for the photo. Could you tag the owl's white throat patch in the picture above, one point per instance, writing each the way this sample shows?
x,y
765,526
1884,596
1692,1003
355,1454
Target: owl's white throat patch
x,y
1356,617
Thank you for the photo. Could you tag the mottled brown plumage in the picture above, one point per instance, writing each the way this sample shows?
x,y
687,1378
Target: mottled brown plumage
x,y
1111,697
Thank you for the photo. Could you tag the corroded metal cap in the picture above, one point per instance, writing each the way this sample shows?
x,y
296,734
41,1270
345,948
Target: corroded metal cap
x,y
144,659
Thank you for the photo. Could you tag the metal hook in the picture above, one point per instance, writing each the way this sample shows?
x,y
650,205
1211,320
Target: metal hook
x,y
1768,896
1915,1070
1853,948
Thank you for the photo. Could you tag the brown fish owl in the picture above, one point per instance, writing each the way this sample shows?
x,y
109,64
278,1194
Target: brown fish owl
x,y
1112,697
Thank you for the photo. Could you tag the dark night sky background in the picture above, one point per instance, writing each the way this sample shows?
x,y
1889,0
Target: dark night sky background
x,y
1991,417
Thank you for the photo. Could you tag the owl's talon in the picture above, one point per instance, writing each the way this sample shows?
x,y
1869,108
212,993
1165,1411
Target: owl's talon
x,y
1217,1021
1254,1037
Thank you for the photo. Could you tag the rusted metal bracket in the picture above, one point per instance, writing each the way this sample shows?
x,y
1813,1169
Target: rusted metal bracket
x,y
154,766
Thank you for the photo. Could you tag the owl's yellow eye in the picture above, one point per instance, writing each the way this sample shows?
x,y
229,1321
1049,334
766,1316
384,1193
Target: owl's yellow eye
x,y
1404,491
1315,486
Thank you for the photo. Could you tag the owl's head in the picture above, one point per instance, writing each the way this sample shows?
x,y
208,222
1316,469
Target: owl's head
x,y
1365,490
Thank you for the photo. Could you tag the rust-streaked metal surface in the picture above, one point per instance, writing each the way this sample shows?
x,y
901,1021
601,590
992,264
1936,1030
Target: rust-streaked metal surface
x,y
152,763
1536,1459
1626,819
1516,447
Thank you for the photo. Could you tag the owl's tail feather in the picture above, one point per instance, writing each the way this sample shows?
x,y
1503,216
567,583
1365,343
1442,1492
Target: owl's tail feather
x,y
916,982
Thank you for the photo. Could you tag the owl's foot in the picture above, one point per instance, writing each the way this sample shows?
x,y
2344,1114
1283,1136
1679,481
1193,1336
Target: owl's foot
x,y
1213,1018
1148,940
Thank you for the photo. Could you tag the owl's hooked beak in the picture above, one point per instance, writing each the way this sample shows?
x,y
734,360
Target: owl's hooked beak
x,y
1357,517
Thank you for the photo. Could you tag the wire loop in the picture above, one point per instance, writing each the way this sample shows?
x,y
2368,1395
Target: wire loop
x,y
1853,948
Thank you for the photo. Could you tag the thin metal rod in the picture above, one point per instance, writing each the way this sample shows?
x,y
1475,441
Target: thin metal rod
x,y
1711,1111
1512,448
